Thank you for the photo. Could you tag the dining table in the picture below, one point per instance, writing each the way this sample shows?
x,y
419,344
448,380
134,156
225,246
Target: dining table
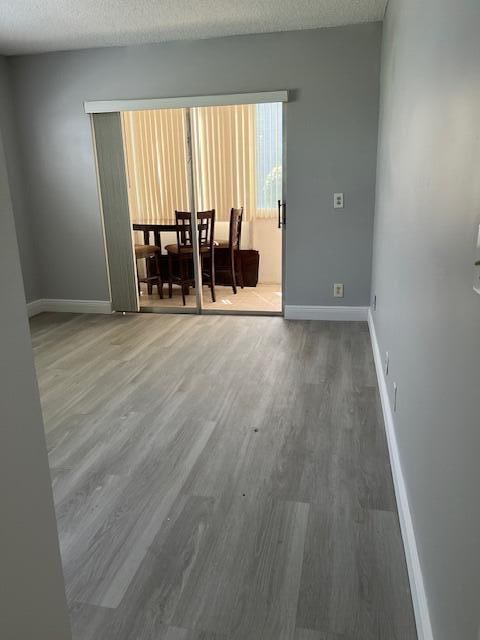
x,y
250,257
149,227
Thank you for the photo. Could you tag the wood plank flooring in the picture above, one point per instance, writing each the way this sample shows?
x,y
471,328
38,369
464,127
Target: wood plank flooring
x,y
220,478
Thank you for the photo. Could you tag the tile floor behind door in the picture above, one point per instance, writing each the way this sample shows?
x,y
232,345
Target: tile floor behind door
x,y
221,478
262,298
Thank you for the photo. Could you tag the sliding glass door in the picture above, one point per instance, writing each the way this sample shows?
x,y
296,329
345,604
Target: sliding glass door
x,y
238,171
198,195
158,163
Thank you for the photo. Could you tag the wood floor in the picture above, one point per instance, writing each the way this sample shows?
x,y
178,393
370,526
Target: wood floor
x,y
221,478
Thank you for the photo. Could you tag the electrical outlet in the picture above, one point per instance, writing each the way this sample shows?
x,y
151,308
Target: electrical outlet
x,y
338,290
395,389
338,200
387,362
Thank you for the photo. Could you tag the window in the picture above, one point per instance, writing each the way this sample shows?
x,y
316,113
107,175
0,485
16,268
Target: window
x,y
238,160
268,157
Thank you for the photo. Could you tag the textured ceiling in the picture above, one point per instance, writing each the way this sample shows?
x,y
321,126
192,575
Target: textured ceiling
x,y
32,26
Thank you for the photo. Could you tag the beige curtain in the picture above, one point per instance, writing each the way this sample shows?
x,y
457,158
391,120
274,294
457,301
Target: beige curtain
x,y
224,159
155,144
229,155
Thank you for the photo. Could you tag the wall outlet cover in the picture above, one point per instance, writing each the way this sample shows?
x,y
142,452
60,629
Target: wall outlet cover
x,y
338,200
338,290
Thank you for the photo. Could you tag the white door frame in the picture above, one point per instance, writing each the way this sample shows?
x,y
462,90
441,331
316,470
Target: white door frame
x,y
197,266
187,102
285,202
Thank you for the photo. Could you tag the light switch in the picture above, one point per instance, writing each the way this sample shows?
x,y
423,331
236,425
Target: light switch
x,y
338,200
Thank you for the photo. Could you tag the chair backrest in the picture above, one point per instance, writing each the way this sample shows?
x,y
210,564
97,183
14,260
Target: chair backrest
x,y
206,229
235,233
184,230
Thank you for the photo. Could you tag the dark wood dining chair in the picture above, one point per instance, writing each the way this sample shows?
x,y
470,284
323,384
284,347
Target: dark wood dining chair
x,y
182,252
233,245
151,254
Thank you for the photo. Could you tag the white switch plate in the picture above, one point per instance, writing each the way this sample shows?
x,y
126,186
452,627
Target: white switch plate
x,y
338,200
395,389
338,290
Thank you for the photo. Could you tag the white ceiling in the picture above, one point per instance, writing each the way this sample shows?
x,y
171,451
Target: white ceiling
x,y
33,26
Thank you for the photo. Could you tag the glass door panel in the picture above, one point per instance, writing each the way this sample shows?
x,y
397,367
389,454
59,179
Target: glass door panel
x,y
158,166
238,165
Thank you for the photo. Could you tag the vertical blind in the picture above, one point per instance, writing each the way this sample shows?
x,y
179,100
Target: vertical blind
x,y
224,158
155,145
237,152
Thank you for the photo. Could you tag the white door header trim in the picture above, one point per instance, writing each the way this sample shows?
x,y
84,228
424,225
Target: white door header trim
x,y
109,106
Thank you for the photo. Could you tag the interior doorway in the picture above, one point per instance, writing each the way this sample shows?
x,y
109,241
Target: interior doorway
x,y
205,188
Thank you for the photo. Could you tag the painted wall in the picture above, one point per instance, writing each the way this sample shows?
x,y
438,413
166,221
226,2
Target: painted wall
x,y
265,236
32,595
428,316
331,132
24,227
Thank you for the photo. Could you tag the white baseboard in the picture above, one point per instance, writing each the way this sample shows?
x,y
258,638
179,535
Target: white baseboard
x,y
35,307
68,306
419,598
303,312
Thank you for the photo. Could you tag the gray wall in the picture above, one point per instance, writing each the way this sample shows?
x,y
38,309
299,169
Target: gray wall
x,y
428,317
32,597
332,133
28,256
